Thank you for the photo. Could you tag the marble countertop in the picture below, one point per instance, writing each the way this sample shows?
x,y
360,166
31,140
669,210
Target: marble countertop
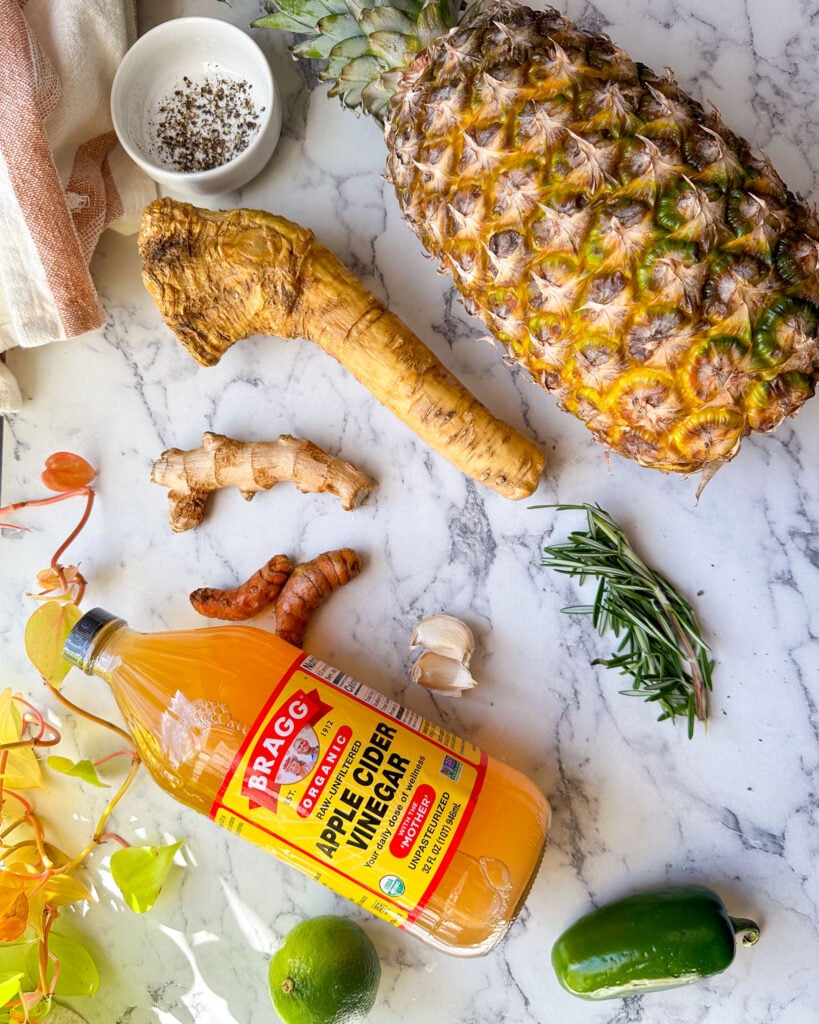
x,y
635,802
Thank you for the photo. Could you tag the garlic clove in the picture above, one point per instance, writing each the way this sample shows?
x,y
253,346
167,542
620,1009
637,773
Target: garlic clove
x,y
445,635
442,674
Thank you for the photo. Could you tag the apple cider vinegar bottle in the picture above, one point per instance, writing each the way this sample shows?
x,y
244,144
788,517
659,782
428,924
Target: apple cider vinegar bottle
x,y
405,819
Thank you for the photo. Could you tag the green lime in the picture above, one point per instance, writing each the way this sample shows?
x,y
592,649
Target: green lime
x,y
326,971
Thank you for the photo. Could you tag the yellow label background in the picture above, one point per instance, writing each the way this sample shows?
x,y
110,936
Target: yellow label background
x,y
391,810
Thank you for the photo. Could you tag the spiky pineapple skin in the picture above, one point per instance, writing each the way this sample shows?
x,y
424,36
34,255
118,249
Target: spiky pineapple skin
x,y
632,253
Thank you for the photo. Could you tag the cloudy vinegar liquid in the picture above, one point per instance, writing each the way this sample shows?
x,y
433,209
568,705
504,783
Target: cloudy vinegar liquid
x,y
410,822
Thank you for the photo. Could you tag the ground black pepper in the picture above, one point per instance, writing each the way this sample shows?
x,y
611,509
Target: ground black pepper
x,y
204,124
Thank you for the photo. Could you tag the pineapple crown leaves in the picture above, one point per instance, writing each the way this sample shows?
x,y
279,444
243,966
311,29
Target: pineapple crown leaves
x,y
366,48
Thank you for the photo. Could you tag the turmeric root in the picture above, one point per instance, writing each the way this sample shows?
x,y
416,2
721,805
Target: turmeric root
x,y
249,598
251,466
295,593
218,277
307,586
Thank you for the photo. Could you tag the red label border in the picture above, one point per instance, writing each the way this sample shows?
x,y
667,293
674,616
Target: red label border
x,y
480,768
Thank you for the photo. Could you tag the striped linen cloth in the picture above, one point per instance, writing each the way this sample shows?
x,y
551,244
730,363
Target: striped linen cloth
x,y
63,176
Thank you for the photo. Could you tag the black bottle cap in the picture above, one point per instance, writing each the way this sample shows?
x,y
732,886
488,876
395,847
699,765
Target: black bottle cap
x,y
80,641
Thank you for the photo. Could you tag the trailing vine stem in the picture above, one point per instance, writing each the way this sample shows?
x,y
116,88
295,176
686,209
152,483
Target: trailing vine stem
x,y
28,861
88,715
99,832
59,570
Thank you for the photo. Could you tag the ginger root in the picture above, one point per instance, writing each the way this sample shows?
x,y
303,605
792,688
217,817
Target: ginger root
x,y
218,277
295,593
251,466
249,598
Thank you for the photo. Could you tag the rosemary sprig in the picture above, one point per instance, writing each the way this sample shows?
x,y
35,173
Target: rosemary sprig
x,y
662,646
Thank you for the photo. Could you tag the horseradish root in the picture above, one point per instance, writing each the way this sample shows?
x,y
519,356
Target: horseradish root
x,y
218,277
295,593
251,466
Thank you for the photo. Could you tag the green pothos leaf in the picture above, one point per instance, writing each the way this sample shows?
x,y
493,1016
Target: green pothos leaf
x,y
45,633
82,769
62,1015
10,987
78,974
140,873
14,974
22,769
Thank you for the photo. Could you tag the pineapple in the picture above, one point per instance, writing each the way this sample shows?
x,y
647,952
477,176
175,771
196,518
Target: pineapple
x,y
627,249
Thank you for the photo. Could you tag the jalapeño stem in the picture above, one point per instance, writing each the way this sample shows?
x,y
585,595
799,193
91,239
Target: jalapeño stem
x,y
746,930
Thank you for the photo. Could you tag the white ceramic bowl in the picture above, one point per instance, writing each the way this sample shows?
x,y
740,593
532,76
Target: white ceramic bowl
x,y
198,49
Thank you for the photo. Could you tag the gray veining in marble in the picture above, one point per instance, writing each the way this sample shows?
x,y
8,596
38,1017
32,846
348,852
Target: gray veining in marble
x,y
635,803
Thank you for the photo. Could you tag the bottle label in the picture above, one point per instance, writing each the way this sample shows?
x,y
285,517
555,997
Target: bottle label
x,y
361,793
